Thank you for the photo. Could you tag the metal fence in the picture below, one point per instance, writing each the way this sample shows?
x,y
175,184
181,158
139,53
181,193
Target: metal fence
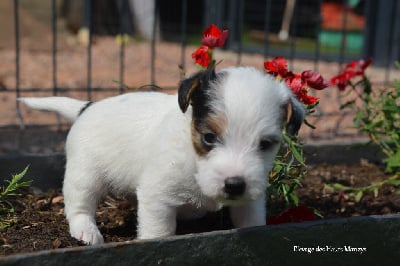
x,y
315,34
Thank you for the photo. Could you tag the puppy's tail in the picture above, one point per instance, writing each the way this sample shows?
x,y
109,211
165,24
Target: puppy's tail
x,y
67,107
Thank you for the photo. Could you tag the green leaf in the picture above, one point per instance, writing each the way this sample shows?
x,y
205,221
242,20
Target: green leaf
x,y
297,154
19,176
11,191
358,196
393,162
393,182
339,187
294,198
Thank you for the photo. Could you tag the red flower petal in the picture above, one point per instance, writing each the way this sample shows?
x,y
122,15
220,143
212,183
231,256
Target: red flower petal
x,y
271,69
343,79
351,64
294,82
352,69
202,56
340,81
314,80
364,63
277,67
308,99
359,65
214,36
293,215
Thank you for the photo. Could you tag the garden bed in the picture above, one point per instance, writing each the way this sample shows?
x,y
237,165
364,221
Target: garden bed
x,y
39,223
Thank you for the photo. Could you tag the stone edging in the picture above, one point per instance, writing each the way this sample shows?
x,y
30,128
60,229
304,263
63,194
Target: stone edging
x,y
373,240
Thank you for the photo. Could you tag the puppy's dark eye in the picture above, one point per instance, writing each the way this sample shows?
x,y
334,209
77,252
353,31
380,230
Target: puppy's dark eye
x,y
209,139
265,144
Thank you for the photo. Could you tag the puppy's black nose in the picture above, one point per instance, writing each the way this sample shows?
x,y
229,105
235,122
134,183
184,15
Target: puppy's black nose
x,y
234,186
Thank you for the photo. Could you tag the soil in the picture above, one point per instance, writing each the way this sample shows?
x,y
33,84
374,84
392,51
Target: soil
x,y
39,222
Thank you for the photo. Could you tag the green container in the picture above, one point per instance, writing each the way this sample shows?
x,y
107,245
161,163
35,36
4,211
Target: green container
x,y
354,40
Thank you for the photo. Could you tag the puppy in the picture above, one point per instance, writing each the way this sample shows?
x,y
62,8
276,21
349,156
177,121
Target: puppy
x,y
209,146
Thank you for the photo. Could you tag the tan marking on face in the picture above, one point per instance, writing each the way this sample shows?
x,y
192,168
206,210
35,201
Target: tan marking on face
x,y
211,124
200,149
217,124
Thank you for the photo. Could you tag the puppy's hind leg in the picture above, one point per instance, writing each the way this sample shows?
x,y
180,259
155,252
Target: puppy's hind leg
x,y
82,191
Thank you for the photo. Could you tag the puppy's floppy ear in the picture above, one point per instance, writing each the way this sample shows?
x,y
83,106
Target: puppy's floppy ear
x,y
295,114
199,82
186,89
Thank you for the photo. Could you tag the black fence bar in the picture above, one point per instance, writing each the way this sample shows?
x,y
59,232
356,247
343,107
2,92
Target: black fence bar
x,y
214,13
396,32
382,31
123,8
235,24
17,63
153,43
240,19
344,34
88,5
54,45
122,65
267,23
184,19
292,39
391,38
54,53
317,40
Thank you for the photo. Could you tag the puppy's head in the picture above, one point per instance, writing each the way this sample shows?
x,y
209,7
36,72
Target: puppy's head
x,y
238,115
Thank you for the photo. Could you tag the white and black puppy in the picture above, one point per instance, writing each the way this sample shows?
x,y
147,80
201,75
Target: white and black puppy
x,y
215,150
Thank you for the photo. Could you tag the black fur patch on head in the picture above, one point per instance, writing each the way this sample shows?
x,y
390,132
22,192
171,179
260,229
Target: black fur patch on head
x,y
195,91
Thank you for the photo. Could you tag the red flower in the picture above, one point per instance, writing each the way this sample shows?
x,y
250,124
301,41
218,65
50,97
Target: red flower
x,y
201,56
293,215
300,84
295,82
297,85
342,80
308,99
314,80
359,65
352,69
277,67
364,63
214,37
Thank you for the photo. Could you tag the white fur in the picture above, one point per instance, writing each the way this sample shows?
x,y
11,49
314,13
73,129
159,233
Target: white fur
x,y
141,142
67,107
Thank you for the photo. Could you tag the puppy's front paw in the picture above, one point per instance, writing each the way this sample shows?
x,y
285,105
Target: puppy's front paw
x,y
83,228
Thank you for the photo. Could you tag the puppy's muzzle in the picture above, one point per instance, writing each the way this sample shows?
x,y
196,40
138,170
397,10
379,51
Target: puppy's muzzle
x,y
234,187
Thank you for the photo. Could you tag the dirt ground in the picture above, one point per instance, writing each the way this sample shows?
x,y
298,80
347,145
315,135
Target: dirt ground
x,y
39,222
